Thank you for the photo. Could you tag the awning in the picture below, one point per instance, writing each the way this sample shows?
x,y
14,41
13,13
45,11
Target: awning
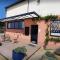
x,y
22,16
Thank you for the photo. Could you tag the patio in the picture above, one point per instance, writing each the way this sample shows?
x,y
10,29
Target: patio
x,y
34,52
6,49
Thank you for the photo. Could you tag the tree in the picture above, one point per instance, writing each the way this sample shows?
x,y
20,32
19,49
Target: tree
x,y
1,24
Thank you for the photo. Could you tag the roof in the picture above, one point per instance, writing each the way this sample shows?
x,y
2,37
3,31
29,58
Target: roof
x,y
21,17
18,1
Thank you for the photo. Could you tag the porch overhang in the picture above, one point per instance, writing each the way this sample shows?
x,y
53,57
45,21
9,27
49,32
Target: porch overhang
x,y
22,16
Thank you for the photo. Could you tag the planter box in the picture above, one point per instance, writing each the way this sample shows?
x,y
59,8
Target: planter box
x,y
17,56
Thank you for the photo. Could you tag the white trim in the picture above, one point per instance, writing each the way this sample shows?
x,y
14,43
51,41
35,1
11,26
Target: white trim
x,y
55,34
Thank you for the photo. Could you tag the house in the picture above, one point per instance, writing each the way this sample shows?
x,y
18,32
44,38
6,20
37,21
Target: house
x,y
19,22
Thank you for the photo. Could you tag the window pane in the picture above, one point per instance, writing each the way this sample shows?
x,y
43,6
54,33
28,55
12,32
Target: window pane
x,y
20,24
9,25
12,25
16,25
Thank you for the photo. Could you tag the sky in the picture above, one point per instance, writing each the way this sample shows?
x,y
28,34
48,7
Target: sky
x,y
46,7
3,4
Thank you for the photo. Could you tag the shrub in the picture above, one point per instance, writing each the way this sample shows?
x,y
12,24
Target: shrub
x,y
57,51
48,56
50,17
46,42
20,49
55,39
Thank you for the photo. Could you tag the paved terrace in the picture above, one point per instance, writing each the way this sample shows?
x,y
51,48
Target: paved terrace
x,y
34,52
6,49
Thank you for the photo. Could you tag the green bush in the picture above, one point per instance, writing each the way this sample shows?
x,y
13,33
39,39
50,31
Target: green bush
x,y
50,17
46,42
55,39
48,56
52,39
20,49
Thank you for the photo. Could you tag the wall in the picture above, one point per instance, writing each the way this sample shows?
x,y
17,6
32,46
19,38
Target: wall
x,y
22,38
45,7
41,32
52,45
20,35
17,10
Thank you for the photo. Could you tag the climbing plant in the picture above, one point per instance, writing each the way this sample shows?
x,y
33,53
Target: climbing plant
x,y
50,17
47,18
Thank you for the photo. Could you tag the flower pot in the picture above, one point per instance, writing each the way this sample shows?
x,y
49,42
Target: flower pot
x,y
17,56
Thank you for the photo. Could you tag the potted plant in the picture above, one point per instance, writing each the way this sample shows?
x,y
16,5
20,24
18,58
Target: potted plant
x,y
19,53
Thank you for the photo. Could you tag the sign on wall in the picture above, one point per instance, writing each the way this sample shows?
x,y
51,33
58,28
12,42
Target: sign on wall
x,y
55,27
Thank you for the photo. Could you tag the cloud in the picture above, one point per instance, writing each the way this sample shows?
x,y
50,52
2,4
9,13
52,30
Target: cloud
x,y
50,0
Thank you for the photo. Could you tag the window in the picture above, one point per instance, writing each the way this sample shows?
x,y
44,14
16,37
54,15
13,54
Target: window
x,y
16,25
55,27
26,30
